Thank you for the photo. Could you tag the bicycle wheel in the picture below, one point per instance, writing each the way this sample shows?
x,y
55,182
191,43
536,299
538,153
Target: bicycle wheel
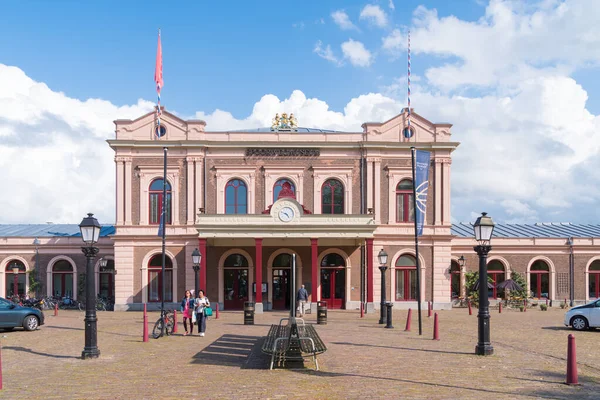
x,y
158,329
81,306
100,306
170,326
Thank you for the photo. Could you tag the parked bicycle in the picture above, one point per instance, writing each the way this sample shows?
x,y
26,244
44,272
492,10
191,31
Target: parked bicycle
x,y
164,325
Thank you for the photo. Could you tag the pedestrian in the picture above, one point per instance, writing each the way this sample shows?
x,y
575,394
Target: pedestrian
x,y
302,298
187,308
200,304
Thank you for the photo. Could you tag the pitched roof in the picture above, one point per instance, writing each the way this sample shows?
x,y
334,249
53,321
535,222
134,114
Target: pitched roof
x,y
538,230
48,230
299,130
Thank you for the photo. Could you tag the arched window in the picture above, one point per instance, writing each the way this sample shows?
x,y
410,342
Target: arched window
x,y
454,279
332,197
406,278
539,279
10,279
280,185
236,197
404,202
156,280
496,272
156,201
333,260
594,280
62,279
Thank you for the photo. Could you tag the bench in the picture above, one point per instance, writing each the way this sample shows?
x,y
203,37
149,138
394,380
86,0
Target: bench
x,y
293,341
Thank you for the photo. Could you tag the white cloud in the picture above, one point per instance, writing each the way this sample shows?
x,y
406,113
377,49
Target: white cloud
x,y
511,42
375,15
342,20
391,5
356,53
326,53
53,150
395,43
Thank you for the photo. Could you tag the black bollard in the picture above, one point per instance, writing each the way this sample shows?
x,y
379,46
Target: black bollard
x,y
389,315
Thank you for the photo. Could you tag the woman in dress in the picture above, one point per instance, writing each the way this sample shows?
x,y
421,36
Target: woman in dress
x,y
187,308
201,303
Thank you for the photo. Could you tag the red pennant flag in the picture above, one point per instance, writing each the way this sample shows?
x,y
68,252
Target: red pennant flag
x,y
158,72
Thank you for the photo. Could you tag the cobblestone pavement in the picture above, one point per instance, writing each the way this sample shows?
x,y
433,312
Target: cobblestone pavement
x,y
363,360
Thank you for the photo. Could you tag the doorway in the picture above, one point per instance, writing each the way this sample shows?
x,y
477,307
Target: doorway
x,y
236,288
282,287
333,285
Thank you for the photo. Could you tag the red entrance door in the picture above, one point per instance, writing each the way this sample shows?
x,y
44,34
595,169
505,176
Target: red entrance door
x,y
281,289
236,288
106,285
333,285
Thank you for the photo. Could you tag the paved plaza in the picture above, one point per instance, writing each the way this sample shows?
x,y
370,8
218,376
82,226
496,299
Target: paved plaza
x,y
363,360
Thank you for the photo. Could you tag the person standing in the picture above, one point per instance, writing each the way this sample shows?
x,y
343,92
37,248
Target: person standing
x,y
201,303
187,308
302,298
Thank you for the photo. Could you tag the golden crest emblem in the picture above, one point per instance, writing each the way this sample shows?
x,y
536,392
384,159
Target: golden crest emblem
x,y
284,123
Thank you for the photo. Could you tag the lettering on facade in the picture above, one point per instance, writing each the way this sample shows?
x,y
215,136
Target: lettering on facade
x,y
262,152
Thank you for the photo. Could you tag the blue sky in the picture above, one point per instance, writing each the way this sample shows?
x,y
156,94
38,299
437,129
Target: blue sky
x,y
216,54
518,80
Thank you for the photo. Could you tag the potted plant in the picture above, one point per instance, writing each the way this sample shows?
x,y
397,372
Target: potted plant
x,y
543,307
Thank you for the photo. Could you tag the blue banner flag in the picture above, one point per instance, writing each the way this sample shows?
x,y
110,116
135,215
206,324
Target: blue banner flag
x,y
161,226
421,184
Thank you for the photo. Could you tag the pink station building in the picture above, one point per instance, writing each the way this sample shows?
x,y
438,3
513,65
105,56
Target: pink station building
x,y
248,200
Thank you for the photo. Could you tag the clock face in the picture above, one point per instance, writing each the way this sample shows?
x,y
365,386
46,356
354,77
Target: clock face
x,y
286,214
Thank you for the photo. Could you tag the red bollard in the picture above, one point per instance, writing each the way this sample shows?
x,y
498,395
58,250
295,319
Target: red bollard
x,y
145,334
428,309
56,310
174,321
572,362
408,319
500,308
469,304
362,310
436,330
216,310
525,305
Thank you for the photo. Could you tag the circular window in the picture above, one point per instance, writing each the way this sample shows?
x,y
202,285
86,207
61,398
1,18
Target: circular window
x,y
408,133
161,131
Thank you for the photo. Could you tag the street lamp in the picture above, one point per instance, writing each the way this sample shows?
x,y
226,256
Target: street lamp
x,y
90,232
382,256
196,258
36,243
15,270
483,228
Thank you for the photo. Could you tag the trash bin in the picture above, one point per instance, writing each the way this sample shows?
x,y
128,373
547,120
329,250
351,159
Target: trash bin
x,y
322,312
248,313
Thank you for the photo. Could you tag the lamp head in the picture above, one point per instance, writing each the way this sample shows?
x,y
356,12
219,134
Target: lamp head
x,y
382,256
196,257
90,229
483,229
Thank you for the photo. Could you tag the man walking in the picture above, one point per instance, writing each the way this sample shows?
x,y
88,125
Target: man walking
x,y
301,298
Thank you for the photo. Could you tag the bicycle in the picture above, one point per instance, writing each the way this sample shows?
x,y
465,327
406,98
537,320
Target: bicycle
x,y
164,324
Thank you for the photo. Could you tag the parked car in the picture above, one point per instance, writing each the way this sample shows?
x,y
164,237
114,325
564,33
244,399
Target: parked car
x,y
584,317
13,315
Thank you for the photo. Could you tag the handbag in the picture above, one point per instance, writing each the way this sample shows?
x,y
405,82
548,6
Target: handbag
x,y
193,318
207,311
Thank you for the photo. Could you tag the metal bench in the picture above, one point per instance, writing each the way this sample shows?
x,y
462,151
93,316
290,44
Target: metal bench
x,y
293,341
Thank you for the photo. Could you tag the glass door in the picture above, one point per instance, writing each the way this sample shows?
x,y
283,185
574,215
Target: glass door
x,y
333,285
281,289
236,288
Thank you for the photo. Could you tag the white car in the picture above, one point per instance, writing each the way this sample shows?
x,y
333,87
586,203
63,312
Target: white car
x,y
584,317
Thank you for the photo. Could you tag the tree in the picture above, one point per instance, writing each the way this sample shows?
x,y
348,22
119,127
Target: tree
x,y
35,286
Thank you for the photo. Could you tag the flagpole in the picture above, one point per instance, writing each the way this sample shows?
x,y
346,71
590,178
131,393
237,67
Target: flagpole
x,y
412,153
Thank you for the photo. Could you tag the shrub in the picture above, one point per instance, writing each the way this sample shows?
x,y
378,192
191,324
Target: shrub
x,y
563,305
521,308
543,307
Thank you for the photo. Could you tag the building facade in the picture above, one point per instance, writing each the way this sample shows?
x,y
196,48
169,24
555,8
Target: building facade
x,y
253,201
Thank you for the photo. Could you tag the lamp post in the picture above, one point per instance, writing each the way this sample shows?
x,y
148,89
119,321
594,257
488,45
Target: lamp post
x,y
90,232
382,256
463,289
15,270
196,258
37,242
483,229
